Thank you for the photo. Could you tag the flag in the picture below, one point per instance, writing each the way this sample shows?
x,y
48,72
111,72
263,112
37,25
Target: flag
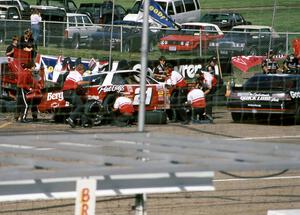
x,y
159,15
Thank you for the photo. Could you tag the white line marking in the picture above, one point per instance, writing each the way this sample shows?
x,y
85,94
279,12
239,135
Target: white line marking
x,y
125,142
262,138
16,146
75,144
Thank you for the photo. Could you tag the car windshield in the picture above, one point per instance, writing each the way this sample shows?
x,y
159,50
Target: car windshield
x,y
95,79
215,18
136,7
271,82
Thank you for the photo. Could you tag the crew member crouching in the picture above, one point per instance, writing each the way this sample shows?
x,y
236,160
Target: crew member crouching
x,y
123,112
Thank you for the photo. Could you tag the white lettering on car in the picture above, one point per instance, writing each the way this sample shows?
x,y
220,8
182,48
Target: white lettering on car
x,y
112,88
55,96
295,95
257,97
189,70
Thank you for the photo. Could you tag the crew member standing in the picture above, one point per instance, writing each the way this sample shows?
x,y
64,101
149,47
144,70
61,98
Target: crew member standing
x,y
159,72
123,112
290,64
176,81
207,83
25,84
72,94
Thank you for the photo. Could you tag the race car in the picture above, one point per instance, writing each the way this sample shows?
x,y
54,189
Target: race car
x,y
103,89
267,96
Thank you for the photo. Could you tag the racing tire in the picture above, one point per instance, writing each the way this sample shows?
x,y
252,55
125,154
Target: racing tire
x,y
155,117
236,117
94,112
107,105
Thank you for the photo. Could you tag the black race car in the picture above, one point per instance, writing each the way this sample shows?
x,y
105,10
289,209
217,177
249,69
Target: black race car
x,y
267,96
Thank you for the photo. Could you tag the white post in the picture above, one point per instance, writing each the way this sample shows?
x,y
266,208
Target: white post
x,y
86,196
140,203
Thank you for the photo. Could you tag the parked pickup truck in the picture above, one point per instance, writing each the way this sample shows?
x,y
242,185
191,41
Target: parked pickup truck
x,y
249,40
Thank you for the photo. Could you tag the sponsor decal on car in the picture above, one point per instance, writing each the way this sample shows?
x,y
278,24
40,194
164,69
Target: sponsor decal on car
x,y
295,95
112,88
55,96
257,97
189,70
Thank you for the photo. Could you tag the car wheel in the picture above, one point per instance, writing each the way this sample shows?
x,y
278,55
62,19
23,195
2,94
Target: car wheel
x,y
297,116
127,47
2,106
151,47
236,117
75,43
156,117
253,51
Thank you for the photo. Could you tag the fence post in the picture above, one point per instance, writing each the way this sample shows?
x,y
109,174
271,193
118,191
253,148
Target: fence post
x,y
287,43
121,38
44,34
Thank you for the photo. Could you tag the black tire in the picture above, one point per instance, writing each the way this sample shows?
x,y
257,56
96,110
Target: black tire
x,y
155,117
236,117
93,111
107,106
127,47
75,43
60,115
297,116
10,106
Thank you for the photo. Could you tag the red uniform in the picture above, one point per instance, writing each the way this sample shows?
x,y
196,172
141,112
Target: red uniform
x,y
124,105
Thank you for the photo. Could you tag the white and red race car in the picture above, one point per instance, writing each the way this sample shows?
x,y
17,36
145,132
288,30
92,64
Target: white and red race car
x,y
103,89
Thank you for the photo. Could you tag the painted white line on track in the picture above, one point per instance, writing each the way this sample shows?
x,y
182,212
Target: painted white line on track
x,y
75,144
252,179
14,146
265,138
125,142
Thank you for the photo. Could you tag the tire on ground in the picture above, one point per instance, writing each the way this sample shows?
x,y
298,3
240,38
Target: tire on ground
x,y
93,110
2,106
155,117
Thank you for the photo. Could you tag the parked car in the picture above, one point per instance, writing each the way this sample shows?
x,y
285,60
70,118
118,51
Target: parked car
x,y
125,34
68,5
10,24
265,97
180,11
192,37
225,20
249,40
79,28
22,5
101,13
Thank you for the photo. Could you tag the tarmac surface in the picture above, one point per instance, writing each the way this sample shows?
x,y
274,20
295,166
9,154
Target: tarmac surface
x,y
268,154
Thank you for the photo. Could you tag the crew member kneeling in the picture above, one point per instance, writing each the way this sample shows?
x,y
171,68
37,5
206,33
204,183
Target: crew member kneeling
x,y
123,112
197,103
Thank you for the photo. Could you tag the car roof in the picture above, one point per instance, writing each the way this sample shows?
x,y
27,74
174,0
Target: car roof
x,y
8,6
251,26
199,24
76,14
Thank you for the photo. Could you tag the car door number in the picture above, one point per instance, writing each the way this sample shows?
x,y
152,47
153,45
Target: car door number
x,y
136,99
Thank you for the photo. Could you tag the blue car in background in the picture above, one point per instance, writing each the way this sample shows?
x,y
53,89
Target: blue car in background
x,y
126,37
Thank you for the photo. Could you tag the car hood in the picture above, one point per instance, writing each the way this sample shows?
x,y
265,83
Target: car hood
x,y
233,37
183,38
